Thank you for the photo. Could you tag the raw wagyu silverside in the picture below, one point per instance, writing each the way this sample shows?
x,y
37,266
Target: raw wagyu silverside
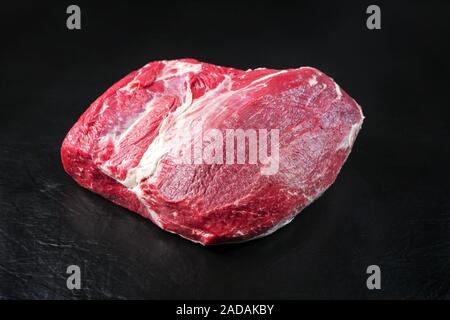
x,y
211,153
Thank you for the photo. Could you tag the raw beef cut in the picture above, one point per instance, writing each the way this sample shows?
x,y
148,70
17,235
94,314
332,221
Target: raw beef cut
x,y
214,154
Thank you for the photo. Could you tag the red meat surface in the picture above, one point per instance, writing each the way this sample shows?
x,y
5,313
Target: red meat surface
x,y
127,146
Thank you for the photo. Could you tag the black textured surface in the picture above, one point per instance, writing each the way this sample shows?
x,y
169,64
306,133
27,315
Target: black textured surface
x,y
390,205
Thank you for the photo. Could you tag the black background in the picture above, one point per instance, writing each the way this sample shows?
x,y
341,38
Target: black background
x,y
390,205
